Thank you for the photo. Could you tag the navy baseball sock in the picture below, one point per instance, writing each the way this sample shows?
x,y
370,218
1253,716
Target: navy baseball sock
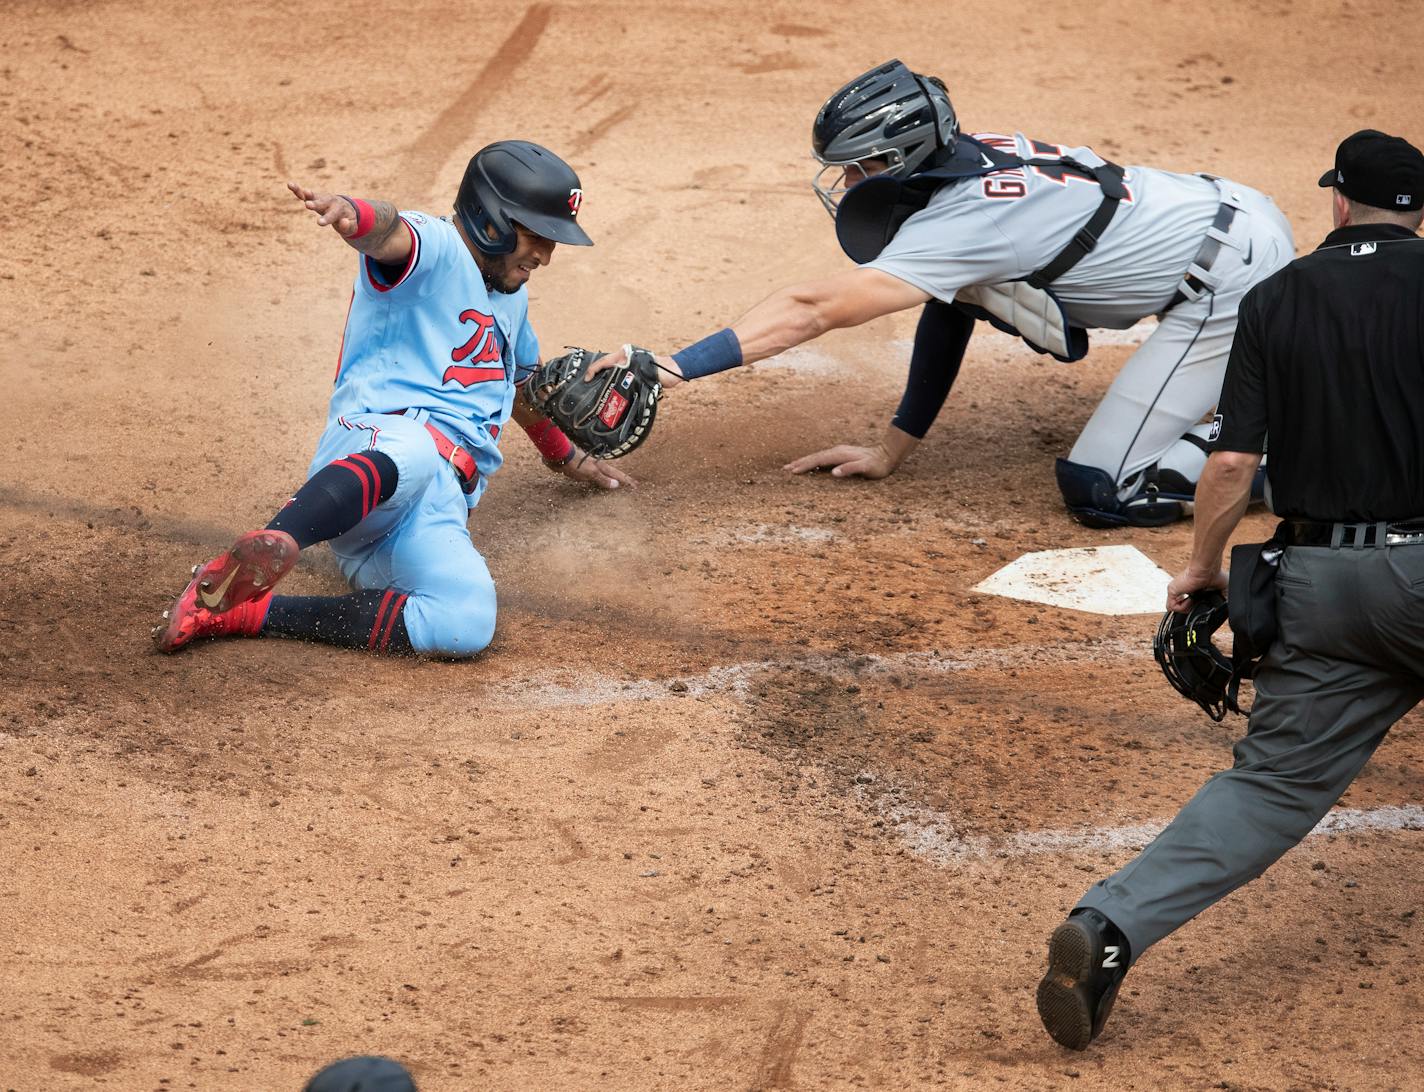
x,y
337,497
373,620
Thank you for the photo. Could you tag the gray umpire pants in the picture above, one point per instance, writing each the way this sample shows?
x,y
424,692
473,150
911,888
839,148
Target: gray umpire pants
x,y
1348,663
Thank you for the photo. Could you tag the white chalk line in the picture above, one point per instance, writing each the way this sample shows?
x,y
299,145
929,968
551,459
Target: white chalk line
x,y
733,679
931,834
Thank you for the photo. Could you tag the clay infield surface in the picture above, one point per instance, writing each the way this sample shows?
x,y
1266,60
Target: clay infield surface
x,y
752,791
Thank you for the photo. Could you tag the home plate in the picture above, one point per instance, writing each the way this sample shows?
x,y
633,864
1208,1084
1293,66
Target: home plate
x,y
1098,579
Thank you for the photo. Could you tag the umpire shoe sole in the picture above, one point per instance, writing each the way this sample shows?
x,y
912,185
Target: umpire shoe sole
x,y
251,568
1078,990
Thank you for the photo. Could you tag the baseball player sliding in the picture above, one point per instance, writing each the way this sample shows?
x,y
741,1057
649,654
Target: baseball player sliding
x,y
436,344
1041,240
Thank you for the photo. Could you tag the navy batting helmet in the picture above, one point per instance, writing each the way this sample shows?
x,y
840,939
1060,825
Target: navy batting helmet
x,y
368,1073
515,182
887,113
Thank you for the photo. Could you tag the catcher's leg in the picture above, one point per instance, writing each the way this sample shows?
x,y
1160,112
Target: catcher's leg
x,y
1140,454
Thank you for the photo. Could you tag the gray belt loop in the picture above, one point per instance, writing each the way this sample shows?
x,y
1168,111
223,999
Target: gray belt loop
x,y
1358,542
1337,536
1381,535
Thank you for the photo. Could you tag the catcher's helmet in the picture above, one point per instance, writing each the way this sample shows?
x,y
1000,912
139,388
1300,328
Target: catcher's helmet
x,y
515,182
886,113
1194,666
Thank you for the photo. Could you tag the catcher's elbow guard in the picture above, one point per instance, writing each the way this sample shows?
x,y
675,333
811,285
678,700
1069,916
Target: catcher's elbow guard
x,y
608,415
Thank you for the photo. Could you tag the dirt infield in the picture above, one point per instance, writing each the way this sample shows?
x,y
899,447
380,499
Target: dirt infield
x,y
752,791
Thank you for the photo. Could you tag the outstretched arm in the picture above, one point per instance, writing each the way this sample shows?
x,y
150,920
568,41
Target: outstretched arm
x,y
805,311
372,227
786,318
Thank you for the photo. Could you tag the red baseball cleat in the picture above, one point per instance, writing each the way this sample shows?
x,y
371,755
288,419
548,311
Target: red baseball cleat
x,y
228,596
251,568
188,619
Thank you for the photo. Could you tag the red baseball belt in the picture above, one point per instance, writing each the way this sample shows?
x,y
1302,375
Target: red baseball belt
x,y
456,455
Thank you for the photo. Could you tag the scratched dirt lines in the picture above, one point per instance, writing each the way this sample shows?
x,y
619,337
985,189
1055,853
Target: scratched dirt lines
x,y
227,868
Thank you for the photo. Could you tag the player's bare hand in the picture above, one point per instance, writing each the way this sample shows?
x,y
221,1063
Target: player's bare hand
x,y
847,460
585,468
1189,581
332,209
667,367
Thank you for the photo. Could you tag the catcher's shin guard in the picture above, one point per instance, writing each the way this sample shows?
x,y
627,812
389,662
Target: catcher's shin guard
x,y
1091,496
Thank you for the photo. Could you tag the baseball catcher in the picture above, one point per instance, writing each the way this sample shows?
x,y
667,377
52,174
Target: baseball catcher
x,y
607,416
1042,239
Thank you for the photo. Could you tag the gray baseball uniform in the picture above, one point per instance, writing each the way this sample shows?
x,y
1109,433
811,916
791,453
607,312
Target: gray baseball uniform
x,y
1004,226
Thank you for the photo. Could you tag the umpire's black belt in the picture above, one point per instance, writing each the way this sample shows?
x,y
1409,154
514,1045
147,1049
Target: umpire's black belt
x,y
1301,532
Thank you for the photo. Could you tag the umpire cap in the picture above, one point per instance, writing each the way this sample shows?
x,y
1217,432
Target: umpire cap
x,y
516,182
1379,170
364,1074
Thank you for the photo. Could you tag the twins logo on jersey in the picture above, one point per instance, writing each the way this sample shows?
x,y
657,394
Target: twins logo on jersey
x,y
481,348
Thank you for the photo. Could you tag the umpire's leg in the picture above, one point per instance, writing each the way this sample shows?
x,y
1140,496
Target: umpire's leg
x,y
1345,669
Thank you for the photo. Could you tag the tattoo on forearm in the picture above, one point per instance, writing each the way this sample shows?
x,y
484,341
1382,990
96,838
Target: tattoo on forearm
x,y
387,220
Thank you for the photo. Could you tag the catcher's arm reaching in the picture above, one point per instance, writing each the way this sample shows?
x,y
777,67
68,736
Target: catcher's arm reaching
x,y
372,227
575,464
788,317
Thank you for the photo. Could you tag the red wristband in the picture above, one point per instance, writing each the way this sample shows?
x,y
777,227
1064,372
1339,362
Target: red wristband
x,y
365,216
553,445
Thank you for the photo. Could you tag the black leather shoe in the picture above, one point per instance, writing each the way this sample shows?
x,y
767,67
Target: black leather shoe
x,y
1087,961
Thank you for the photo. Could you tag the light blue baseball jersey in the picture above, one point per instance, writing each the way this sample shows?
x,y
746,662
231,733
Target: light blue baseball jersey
x,y
434,338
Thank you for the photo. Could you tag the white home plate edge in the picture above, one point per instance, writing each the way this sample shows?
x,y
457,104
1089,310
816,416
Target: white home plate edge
x,y
1096,579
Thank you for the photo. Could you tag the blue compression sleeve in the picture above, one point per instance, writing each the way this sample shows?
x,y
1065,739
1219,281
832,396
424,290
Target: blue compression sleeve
x,y
940,341
714,353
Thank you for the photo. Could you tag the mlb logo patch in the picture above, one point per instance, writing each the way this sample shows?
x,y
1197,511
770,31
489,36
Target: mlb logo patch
x,y
627,381
613,409
1215,433
1403,198
1357,249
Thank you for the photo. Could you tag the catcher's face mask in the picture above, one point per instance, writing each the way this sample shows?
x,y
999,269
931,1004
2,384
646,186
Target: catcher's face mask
x,y
835,179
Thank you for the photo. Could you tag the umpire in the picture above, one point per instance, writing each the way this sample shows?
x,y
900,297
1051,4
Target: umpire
x,y
1328,362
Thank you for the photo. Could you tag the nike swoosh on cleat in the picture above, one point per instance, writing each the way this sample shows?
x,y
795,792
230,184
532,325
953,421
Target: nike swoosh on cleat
x,y
213,598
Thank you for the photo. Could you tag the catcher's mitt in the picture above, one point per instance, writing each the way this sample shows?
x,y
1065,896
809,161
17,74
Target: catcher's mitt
x,y
1194,666
609,415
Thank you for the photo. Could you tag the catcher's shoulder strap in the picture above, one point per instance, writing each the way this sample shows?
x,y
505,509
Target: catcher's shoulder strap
x,y
874,210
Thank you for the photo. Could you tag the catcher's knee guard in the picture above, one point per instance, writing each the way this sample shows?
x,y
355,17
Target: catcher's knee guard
x,y
1092,497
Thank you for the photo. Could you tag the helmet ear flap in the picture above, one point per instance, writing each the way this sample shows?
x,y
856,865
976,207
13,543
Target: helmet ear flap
x,y
491,234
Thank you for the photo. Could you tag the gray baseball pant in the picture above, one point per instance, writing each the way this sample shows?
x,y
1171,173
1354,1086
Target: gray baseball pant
x,y
1348,663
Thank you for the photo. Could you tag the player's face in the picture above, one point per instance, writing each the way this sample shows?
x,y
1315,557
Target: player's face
x,y
510,272
859,172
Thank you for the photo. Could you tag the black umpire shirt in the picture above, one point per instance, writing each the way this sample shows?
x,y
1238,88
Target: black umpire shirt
x,y
1328,362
